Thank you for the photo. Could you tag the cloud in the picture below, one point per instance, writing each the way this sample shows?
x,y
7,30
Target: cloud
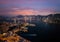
x,y
31,11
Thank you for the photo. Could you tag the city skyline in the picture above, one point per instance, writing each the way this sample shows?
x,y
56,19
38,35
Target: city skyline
x,y
29,7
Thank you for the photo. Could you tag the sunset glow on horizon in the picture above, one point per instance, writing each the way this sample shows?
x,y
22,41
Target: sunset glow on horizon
x,y
31,12
29,7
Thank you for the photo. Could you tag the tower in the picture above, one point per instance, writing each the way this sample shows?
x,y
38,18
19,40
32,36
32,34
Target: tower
x,y
30,19
15,20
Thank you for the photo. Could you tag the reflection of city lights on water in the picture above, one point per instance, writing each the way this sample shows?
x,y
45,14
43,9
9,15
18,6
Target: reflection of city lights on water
x,y
30,34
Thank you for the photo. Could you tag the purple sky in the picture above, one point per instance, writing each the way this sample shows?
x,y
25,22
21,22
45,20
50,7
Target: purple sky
x,y
29,7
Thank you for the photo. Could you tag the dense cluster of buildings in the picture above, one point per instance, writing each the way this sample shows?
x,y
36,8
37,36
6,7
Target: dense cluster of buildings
x,y
14,24
37,18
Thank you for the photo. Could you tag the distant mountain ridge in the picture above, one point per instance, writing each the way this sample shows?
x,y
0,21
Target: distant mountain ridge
x,y
55,15
20,16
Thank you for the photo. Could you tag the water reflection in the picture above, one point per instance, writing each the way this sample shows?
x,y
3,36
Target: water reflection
x,y
42,31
